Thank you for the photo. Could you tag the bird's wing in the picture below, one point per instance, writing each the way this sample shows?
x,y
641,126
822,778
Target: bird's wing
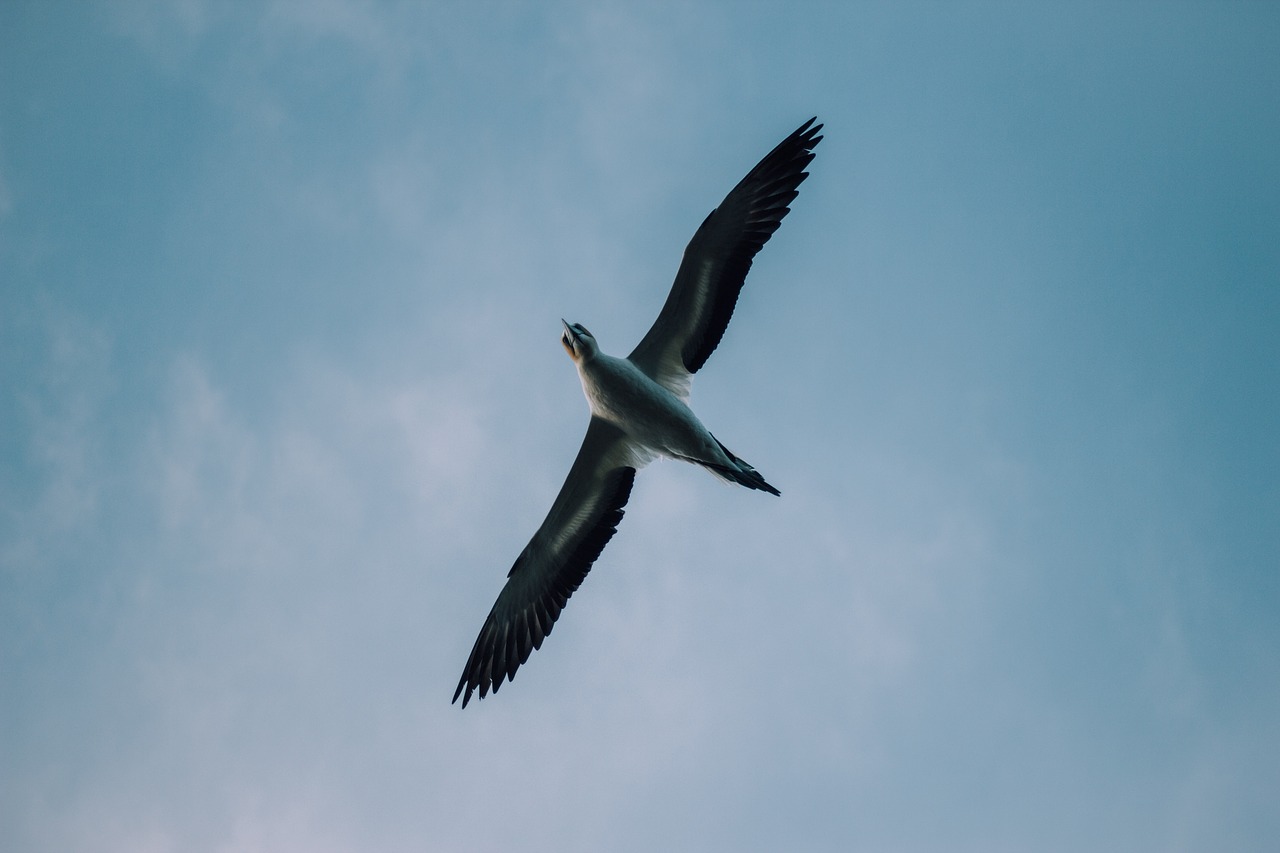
x,y
581,521
716,262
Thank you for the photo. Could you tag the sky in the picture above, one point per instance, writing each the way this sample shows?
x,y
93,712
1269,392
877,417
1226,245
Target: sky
x,y
282,398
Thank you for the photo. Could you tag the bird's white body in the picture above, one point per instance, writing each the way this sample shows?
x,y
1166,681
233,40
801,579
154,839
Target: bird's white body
x,y
648,409
652,417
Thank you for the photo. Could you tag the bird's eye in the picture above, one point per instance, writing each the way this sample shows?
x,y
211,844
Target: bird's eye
x,y
564,339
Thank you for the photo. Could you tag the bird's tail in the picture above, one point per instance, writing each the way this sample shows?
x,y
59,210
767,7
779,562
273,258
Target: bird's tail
x,y
741,473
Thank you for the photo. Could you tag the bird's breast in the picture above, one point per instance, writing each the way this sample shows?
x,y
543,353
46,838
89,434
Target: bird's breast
x,y
622,394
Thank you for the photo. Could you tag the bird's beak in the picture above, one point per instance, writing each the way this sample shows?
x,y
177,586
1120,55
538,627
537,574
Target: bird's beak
x,y
570,335
569,339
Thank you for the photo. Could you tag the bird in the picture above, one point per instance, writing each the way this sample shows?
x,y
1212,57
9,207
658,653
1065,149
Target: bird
x,y
639,412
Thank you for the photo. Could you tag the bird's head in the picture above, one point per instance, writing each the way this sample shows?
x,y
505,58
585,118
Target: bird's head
x,y
578,342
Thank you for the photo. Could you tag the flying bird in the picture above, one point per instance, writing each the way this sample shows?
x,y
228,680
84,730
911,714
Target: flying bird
x,y
639,411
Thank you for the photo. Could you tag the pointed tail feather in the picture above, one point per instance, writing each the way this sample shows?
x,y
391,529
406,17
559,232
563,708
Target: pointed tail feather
x,y
742,473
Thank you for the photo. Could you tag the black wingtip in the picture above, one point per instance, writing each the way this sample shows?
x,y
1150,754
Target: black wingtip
x,y
504,644
803,139
809,132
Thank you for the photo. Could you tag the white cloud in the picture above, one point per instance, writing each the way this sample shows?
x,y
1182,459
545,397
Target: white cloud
x,y
381,33
61,404
167,29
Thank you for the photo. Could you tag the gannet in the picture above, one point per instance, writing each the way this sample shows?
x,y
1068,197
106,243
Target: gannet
x,y
639,411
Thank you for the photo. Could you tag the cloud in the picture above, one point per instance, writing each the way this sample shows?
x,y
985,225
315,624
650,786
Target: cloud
x,y
243,590
60,406
168,31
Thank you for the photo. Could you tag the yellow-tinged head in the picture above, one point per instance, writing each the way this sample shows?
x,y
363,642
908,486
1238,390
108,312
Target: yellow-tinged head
x,y
578,342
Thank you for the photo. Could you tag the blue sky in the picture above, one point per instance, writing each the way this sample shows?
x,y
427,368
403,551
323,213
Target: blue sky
x,y
282,398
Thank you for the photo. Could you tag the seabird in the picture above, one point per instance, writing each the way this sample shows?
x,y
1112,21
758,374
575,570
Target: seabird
x,y
639,411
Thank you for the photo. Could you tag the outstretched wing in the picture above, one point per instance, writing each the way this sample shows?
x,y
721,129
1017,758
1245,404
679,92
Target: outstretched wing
x,y
716,262
581,522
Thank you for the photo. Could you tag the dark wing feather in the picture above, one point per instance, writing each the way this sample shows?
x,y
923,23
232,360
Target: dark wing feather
x,y
717,259
554,563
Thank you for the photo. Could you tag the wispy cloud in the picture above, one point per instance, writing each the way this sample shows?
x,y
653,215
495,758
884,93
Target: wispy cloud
x,y
61,406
